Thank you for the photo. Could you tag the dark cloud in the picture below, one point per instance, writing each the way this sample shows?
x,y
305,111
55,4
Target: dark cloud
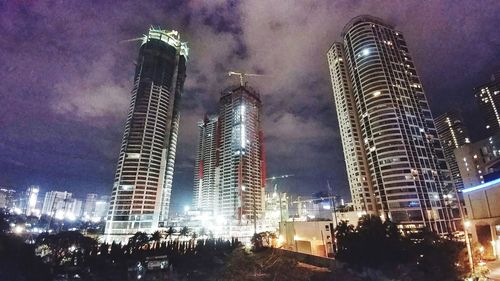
x,y
67,73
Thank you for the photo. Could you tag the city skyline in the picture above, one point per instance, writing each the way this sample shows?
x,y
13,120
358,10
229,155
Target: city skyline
x,y
80,125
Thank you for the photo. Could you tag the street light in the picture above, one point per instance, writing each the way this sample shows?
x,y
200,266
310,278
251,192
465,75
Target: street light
x,y
467,224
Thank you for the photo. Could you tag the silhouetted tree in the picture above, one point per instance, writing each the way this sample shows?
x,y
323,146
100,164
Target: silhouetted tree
x,y
138,240
184,231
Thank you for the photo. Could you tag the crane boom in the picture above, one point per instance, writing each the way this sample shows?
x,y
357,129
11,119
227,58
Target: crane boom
x,y
242,76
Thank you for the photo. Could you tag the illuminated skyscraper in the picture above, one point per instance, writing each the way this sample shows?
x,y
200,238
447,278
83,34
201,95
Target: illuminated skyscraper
x,y
29,200
206,176
453,134
394,159
57,203
89,207
140,199
488,99
242,161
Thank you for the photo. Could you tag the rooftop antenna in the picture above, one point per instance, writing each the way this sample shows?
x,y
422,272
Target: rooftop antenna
x,y
242,76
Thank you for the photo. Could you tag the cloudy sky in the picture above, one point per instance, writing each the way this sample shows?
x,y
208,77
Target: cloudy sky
x,y
66,74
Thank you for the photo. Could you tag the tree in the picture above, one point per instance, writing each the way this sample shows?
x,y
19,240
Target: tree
x,y
184,231
4,224
138,240
170,232
156,237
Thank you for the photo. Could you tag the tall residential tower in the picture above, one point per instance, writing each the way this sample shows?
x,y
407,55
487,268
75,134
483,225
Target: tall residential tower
x,y
206,176
140,199
394,159
488,99
453,134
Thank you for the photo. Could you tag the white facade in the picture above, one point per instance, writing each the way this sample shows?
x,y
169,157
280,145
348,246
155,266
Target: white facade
x,y
393,155
56,201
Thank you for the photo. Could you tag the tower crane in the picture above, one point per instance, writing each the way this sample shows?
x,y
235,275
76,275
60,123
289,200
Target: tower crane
x,y
242,76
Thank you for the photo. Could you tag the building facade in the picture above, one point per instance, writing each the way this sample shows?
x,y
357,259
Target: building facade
x,y
241,155
483,214
478,159
488,100
453,134
395,162
7,198
90,205
140,199
206,178
56,203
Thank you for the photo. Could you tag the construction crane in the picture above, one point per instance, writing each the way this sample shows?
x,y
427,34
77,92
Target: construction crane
x,y
242,76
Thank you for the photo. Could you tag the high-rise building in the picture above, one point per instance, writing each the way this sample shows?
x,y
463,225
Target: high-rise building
x,y
394,160
28,201
241,156
453,134
90,205
56,203
478,159
101,208
7,198
206,192
140,199
488,99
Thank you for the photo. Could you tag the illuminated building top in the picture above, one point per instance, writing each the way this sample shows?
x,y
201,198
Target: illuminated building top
x,y
171,37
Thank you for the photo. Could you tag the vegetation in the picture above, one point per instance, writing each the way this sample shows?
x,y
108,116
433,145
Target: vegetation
x,y
380,245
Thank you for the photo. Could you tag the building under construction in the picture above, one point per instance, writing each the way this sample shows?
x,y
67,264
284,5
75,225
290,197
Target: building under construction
x,y
239,163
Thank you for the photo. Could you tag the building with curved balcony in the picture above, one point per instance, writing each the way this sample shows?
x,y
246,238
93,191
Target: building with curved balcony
x,y
394,160
140,199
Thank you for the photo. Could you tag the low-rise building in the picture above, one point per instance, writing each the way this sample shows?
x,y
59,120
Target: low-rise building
x,y
483,215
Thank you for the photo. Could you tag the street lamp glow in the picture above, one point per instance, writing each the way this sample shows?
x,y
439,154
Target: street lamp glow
x,y
467,224
18,229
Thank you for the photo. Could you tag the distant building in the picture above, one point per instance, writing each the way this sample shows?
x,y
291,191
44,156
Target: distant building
x,y
241,158
74,209
276,208
206,175
488,99
56,203
101,208
90,205
140,199
395,163
28,200
7,198
476,160
453,134
308,237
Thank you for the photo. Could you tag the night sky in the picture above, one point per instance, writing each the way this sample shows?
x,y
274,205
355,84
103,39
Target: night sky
x,y
66,74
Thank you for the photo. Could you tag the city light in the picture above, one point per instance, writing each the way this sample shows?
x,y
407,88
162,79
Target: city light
x,y
481,186
18,229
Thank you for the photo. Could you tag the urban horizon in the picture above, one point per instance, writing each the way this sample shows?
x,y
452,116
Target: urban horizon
x,y
360,134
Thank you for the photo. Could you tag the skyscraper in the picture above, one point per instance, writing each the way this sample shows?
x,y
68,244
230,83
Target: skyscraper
x,y
29,199
56,203
90,205
242,161
140,199
453,134
206,178
488,99
395,162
